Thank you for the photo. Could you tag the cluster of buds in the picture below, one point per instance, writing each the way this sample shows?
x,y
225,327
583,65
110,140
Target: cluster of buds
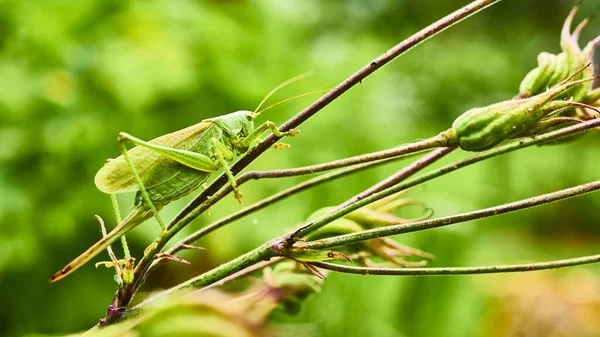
x,y
559,91
553,69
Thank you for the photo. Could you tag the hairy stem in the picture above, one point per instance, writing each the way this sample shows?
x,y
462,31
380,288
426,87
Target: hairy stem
x,y
437,141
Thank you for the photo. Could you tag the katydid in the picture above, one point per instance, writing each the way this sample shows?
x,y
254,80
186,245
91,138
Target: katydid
x,y
171,166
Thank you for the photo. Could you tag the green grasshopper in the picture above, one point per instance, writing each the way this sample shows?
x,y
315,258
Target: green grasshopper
x,y
171,166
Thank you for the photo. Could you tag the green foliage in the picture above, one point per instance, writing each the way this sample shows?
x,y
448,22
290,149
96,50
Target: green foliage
x,y
75,73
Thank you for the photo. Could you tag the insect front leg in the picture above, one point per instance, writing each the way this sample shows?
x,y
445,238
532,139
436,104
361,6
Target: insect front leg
x,y
224,155
246,142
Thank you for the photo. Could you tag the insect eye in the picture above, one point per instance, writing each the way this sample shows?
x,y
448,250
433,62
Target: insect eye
x,y
249,116
330,254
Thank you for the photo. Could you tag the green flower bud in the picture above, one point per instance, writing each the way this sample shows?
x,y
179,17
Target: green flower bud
x,y
553,69
482,128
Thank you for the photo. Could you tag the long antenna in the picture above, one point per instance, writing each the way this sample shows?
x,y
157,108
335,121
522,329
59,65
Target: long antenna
x,y
289,99
290,81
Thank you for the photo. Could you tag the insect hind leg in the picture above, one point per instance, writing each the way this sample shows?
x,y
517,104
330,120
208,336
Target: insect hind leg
x,y
143,191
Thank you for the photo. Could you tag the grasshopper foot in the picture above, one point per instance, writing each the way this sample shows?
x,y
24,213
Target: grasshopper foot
x,y
238,196
292,133
281,146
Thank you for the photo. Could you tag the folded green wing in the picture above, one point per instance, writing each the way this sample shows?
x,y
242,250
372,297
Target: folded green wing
x,y
116,176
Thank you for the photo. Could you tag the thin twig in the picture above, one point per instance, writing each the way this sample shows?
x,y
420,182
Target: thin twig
x,y
437,141
511,268
381,186
450,220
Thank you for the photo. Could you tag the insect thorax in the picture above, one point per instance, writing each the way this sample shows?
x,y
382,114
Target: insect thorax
x,y
235,126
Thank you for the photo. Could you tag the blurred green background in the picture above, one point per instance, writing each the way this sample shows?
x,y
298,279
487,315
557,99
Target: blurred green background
x,y
75,73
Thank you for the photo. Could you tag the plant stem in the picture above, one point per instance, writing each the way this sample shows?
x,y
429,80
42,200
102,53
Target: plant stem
x,y
511,268
383,185
433,142
449,220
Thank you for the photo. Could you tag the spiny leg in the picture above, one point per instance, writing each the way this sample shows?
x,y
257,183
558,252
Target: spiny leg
x,y
223,155
278,146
